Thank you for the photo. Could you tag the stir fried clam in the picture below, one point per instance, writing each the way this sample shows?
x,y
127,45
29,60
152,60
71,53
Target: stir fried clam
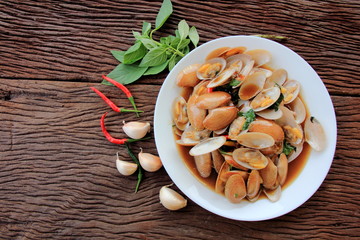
x,y
243,123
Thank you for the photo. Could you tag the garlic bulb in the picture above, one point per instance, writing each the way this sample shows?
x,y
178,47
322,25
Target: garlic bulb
x,y
125,168
170,199
136,130
149,162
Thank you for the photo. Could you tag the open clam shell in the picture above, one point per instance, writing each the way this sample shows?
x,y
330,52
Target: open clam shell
x,y
179,112
191,137
314,134
293,131
250,158
267,72
279,76
236,127
298,149
211,68
253,184
256,140
207,146
298,107
282,168
217,160
253,84
265,99
235,188
260,56
269,175
223,78
290,90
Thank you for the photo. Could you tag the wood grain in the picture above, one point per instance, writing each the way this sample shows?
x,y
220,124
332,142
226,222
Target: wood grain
x,y
58,178
70,41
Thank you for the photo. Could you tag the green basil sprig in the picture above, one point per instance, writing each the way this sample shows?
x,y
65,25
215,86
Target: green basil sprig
x,y
148,56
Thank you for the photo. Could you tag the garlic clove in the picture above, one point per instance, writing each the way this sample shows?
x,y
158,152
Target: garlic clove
x,y
149,162
136,130
125,168
170,199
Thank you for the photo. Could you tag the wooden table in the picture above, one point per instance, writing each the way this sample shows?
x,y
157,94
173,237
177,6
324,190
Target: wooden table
x,y
57,172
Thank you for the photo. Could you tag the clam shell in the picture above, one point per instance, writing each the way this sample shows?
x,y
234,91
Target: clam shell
x,y
290,90
269,127
250,158
217,160
292,156
293,131
235,188
314,134
265,99
267,72
260,56
230,160
211,68
236,127
233,51
253,184
270,114
222,178
220,118
269,175
273,195
217,53
282,168
191,137
207,146
203,164
279,76
223,78
256,140
179,113
213,100
188,76
253,84
196,115
298,107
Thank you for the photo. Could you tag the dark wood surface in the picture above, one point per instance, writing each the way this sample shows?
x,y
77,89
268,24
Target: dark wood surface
x,y
57,173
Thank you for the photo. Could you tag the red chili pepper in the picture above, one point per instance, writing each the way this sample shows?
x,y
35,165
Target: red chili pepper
x,y
112,139
124,89
210,90
111,104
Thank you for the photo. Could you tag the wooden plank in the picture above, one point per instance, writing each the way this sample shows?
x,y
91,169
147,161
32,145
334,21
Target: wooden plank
x,y
58,177
71,41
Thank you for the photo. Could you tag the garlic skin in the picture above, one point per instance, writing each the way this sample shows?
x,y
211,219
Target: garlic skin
x,y
136,130
170,199
125,168
149,162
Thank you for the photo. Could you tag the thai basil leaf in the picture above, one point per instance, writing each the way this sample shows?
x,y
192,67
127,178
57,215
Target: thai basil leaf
x,y
146,28
175,42
183,29
172,62
118,55
194,36
134,53
148,43
136,34
183,43
126,73
156,69
249,116
288,148
234,82
164,13
276,104
154,57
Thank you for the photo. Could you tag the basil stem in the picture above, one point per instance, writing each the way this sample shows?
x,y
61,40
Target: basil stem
x,y
140,170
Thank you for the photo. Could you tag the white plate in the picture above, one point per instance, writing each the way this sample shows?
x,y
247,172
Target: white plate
x,y
316,168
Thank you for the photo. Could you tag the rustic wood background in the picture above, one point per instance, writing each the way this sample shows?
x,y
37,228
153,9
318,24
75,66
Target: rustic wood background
x,y
57,173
